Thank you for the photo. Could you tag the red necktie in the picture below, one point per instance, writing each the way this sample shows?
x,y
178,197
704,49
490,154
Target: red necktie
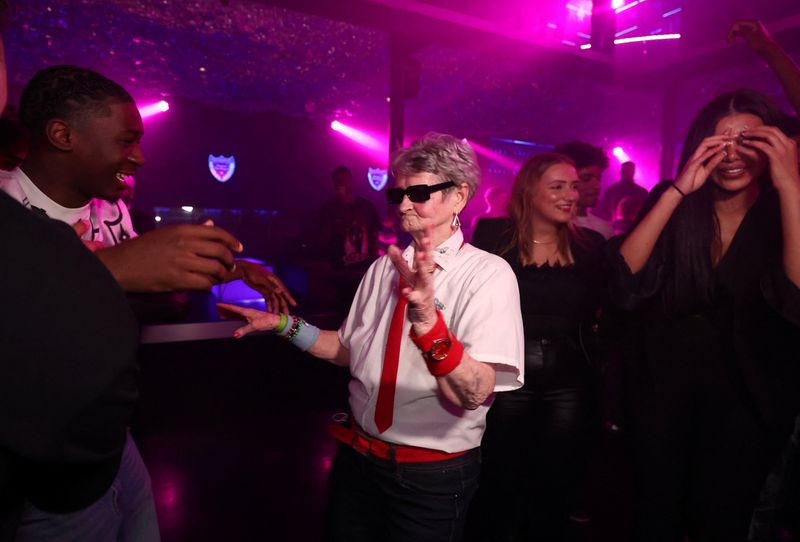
x,y
391,360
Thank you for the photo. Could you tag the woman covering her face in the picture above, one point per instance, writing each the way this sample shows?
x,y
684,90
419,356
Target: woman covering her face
x,y
712,271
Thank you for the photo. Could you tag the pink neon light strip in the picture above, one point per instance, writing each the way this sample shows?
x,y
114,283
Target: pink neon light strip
x,y
658,37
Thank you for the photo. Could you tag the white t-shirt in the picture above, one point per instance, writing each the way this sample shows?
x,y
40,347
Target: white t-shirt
x,y
595,223
110,222
478,295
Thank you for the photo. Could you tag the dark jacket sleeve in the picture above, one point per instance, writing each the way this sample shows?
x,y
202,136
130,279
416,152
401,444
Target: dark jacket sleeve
x,y
68,373
629,290
781,294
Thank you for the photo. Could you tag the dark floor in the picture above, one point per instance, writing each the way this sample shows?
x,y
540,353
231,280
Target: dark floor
x,y
235,436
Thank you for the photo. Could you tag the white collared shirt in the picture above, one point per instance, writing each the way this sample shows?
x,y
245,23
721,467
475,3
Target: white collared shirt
x,y
110,222
594,222
478,295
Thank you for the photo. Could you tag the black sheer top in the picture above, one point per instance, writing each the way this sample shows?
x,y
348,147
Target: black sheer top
x,y
556,301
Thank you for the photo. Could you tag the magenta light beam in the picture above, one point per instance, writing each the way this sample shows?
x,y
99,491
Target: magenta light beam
x,y
620,154
153,109
360,137
377,149
499,159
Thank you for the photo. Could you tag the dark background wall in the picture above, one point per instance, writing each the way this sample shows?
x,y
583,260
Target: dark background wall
x,y
283,164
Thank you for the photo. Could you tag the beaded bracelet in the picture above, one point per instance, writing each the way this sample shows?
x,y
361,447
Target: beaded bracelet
x,y
297,331
296,323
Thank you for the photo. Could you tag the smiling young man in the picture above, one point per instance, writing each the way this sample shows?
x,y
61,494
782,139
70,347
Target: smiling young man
x,y
85,133
77,162
591,162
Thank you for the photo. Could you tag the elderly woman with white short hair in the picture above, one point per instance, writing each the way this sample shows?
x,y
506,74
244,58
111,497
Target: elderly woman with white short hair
x,y
433,332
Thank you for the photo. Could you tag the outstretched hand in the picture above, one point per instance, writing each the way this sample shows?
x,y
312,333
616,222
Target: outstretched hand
x,y
182,257
256,320
276,295
418,289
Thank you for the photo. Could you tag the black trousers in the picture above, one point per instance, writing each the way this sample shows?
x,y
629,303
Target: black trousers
x,y
535,450
373,499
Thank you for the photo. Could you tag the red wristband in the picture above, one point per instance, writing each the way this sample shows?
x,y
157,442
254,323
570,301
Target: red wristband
x,y
440,348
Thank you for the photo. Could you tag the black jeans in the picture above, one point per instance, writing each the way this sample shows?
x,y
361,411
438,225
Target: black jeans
x,y
536,449
374,499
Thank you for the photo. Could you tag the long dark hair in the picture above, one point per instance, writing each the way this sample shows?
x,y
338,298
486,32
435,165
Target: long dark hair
x,y
693,229
520,207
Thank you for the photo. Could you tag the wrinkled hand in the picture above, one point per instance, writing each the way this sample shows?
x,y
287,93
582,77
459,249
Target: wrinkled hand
x,y
753,33
182,257
781,153
81,227
256,320
276,295
418,288
708,155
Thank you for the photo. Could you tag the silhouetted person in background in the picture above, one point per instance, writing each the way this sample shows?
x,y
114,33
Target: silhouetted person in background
x,y
624,188
348,225
347,240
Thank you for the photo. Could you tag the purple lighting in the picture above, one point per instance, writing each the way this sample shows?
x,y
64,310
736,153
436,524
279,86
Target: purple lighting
x,y
360,137
657,37
617,3
497,158
582,10
153,109
628,6
376,148
620,154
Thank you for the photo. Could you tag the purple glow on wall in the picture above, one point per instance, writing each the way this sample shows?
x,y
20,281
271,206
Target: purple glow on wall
x,y
508,163
154,109
646,160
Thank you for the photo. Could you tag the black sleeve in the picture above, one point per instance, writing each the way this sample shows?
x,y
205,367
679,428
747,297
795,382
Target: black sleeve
x,y
68,373
781,294
492,234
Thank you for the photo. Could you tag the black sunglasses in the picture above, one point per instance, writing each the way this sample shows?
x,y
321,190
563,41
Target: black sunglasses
x,y
417,193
